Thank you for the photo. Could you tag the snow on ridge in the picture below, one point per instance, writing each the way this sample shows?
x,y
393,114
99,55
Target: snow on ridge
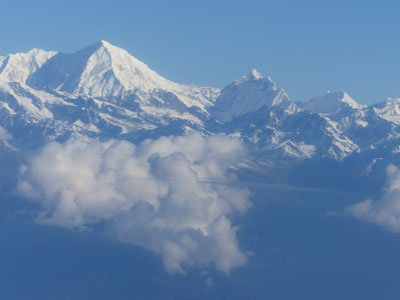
x,y
26,102
19,66
103,70
299,150
331,103
107,89
134,74
388,110
252,75
249,94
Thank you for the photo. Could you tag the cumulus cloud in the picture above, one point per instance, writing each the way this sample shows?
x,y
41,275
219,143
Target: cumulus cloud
x,y
4,135
162,195
385,211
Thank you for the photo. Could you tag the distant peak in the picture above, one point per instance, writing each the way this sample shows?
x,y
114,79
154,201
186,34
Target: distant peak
x,y
105,44
392,100
341,96
331,102
344,97
99,45
337,94
254,74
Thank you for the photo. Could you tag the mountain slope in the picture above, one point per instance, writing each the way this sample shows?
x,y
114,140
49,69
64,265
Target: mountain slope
x,y
331,103
103,92
18,67
249,94
103,70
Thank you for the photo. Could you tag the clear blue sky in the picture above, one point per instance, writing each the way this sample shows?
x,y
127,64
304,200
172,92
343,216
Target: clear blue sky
x,y
307,47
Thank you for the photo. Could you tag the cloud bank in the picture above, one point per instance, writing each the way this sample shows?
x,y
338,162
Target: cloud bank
x,y
385,211
159,195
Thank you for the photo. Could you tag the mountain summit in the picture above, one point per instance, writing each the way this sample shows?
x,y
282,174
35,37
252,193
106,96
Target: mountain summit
x,y
18,67
103,92
252,75
330,103
103,70
248,94
100,70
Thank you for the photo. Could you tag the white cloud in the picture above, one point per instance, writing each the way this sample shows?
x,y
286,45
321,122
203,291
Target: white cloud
x,y
159,195
385,211
4,135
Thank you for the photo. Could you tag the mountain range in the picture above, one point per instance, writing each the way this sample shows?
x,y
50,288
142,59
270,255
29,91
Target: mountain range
x,y
102,92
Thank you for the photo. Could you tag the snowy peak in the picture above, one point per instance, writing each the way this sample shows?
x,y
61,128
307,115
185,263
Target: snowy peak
x,y
18,67
100,70
103,43
388,110
331,103
103,70
88,71
254,75
103,91
251,76
249,94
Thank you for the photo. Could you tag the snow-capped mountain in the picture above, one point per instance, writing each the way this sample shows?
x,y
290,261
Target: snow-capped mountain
x,y
18,67
103,70
331,103
388,110
103,92
249,94
98,91
273,133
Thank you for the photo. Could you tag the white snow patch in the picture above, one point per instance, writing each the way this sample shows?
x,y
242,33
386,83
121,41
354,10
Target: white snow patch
x,y
331,103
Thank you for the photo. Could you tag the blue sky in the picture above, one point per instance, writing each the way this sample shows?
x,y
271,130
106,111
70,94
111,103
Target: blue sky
x,y
307,47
